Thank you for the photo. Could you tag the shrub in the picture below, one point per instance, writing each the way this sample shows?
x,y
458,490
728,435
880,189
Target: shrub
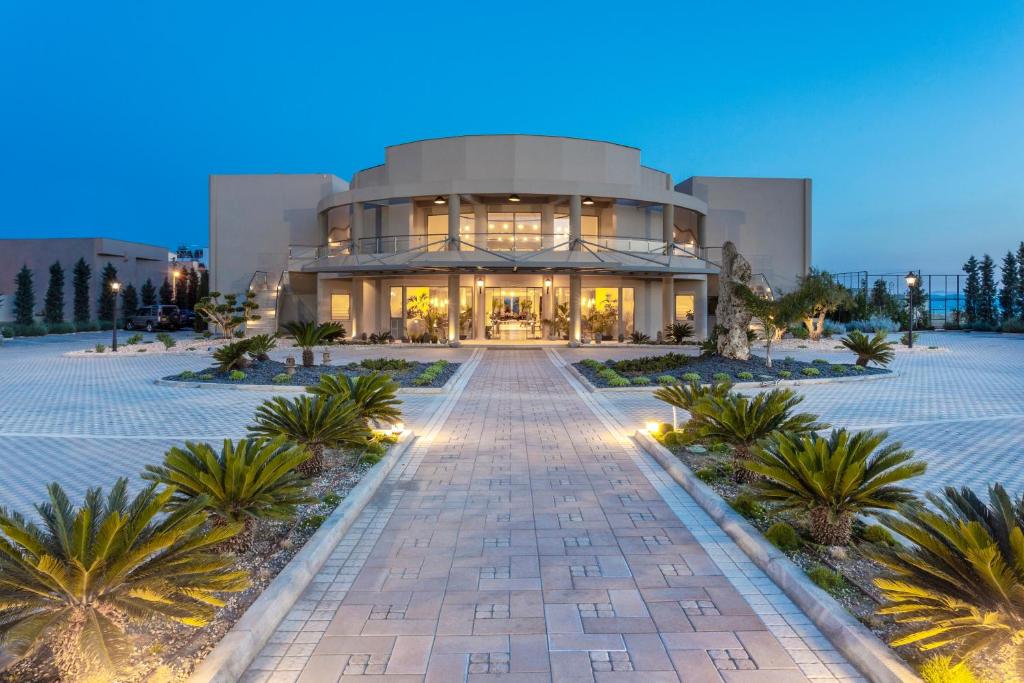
x,y
1013,325
312,523
667,380
789,359
784,373
75,582
874,350
375,395
746,505
30,330
669,361
721,377
374,452
236,375
281,378
381,338
905,338
260,346
6,331
745,375
692,377
331,499
60,328
87,326
618,381
248,480
810,372
206,376
837,369
820,361
708,475
858,368
799,332
686,395
677,437
227,312
166,339
783,537
387,364
678,332
833,479
315,422
878,534
133,340
636,337
309,335
941,669
826,579
232,356
187,374
100,348
957,578
830,327
430,374
641,381
872,325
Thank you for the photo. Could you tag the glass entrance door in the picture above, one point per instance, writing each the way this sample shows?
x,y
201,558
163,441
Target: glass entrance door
x,y
513,313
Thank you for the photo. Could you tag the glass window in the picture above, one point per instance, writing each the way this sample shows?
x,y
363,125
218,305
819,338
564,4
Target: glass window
x,y
599,311
684,306
561,227
589,228
628,311
507,231
341,306
513,313
426,313
465,312
437,232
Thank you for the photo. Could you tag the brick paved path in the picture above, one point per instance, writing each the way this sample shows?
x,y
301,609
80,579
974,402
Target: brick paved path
x,y
524,536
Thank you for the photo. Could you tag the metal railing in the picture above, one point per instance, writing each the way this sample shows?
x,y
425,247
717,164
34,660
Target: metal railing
x,y
514,241
943,294
258,279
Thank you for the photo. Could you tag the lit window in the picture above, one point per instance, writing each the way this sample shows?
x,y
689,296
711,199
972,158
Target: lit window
x,y
341,306
684,307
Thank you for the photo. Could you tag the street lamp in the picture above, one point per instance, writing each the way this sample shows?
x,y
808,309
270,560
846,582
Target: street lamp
x,y
115,287
911,281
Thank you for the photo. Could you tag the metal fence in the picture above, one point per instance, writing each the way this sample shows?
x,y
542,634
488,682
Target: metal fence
x,y
945,293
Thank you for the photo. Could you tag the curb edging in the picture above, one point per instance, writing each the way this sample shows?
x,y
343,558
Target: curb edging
x,y
233,654
736,385
862,648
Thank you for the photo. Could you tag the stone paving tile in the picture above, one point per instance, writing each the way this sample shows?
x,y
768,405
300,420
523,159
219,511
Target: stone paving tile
x,y
464,567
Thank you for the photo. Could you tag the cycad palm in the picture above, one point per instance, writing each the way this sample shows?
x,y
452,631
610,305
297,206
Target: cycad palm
x,y
252,479
959,578
684,396
874,350
834,478
375,395
309,335
73,582
316,423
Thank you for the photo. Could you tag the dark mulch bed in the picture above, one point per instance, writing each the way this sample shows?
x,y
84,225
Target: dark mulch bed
x,y
263,373
709,366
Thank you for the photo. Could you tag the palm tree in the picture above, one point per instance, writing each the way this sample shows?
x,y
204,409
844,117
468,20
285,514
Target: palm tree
x,y
253,479
309,335
959,578
678,332
261,345
74,582
315,423
834,478
742,421
375,395
874,350
685,395
232,356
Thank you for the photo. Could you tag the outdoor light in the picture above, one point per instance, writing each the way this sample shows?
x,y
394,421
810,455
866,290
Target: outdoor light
x,y
440,200
588,201
115,287
514,198
652,427
911,279
397,427
547,282
479,282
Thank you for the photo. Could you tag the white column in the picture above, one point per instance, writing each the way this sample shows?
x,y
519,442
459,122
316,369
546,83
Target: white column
x,y
356,231
454,209
575,325
668,301
668,225
480,228
453,308
700,309
547,225
356,292
575,220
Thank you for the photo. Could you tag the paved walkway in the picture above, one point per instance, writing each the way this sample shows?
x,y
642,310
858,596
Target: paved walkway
x,y
525,536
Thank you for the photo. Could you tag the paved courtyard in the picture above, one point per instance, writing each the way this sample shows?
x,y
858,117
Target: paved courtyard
x,y
961,407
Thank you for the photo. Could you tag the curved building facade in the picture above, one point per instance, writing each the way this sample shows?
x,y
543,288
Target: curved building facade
x,y
501,238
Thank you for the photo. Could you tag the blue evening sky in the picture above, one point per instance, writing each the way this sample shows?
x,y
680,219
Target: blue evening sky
x,y
909,116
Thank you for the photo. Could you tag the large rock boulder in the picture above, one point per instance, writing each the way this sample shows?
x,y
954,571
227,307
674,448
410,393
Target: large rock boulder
x,y
732,316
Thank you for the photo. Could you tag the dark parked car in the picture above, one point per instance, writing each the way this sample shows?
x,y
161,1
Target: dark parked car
x,y
150,318
186,318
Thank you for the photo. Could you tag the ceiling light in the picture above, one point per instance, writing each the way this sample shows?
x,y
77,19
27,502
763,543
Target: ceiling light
x,y
588,201
440,200
514,198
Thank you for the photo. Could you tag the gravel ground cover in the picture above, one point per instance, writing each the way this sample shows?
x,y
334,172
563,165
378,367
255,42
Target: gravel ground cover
x,y
264,372
707,367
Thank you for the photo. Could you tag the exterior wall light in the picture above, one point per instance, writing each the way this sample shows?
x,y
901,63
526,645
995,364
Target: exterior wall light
x,y
588,201
514,198
547,282
440,200
479,282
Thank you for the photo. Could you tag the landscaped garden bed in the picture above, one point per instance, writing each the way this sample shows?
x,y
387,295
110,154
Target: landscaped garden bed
x,y
271,372
675,368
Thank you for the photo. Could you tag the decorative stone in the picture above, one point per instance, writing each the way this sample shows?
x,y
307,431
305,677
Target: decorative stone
x,y
732,317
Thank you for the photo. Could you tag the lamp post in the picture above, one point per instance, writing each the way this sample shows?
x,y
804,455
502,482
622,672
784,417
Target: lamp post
x,y
911,281
115,287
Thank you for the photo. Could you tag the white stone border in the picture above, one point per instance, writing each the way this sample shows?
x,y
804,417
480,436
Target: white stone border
x,y
856,642
239,647
296,389
589,386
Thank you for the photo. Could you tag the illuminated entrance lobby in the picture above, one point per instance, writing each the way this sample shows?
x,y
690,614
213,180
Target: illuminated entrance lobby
x,y
501,238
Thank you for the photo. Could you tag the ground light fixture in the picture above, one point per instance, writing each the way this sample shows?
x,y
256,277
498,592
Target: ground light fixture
x,y
440,200
588,201
652,427
911,281
115,287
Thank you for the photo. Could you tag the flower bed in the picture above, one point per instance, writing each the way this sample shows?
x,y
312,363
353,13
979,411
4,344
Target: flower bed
x,y
272,372
705,369
168,651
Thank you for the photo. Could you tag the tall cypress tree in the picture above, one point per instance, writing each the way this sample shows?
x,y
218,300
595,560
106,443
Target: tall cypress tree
x,y
148,293
181,291
987,293
1020,281
53,305
972,290
193,289
24,297
166,292
105,310
129,300
204,282
1008,292
80,278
